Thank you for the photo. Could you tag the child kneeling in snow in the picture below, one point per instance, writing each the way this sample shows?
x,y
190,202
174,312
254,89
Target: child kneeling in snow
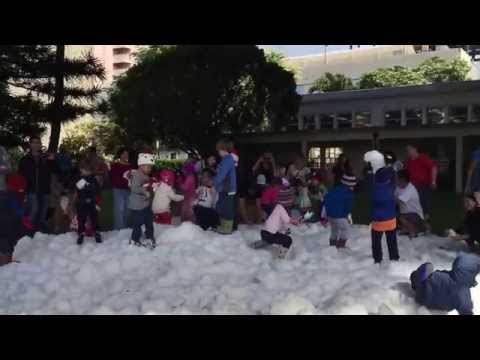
x,y
164,195
87,189
381,180
273,232
140,200
338,206
204,206
447,290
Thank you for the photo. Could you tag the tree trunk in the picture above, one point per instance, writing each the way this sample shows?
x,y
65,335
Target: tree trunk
x,y
56,121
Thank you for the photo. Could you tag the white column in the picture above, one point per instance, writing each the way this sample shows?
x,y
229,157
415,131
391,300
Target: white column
x,y
403,119
469,113
424,116
459,164
317,121
300,122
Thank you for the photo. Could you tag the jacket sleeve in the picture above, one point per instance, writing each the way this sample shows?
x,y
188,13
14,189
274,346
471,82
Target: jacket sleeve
x,y
174,197
222,173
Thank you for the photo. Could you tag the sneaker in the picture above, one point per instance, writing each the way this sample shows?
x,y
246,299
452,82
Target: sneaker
x,y
80,239
98,238
260,244
151,243
137,243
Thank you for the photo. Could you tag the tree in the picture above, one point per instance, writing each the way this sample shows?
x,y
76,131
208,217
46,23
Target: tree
x,y
439,70
332,82
189,96
280,59
64,88
102,133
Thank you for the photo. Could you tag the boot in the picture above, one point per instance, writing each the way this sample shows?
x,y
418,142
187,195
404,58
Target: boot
x,y
152,243
341,243
98,238
80,239
226,227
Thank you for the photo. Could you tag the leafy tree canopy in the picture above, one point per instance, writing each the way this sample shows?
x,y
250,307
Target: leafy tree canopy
x,y
331,82
188,96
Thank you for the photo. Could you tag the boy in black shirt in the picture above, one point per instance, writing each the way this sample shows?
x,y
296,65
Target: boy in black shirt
x,y
87,189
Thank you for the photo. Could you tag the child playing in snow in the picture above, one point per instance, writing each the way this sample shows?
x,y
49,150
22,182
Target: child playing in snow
x,y
164,195
447,290
471,225
204,205
338,206
274,232
87,189
226,185
140,202
317,191
411,213
188,186
286,195
381,180
269,196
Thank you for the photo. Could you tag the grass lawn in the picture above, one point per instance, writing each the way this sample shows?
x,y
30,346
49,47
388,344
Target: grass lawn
x,y
447,210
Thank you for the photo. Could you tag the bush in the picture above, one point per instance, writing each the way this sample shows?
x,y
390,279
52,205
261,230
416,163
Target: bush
x,y
169,164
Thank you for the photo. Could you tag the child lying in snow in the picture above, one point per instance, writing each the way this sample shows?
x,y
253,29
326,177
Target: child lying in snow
x,y
447,290
273,232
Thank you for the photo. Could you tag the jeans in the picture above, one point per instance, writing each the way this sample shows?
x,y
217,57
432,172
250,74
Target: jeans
x,y
37,208
120,208
425,194
226,206
139,218
391,244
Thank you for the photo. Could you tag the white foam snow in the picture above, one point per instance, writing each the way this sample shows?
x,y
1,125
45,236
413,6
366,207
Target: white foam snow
x,y
196,272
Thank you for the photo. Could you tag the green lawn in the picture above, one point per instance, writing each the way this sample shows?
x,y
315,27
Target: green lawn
x,y
447,210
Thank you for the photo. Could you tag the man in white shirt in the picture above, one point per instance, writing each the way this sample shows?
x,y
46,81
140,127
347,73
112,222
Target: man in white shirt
x,y
411,217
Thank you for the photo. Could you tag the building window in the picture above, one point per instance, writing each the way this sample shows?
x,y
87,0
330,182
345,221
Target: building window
x,y
393,118
331,155
458,114
326,121
315,157
414,117
475,113
173,156
435,116
344,120
362,119
309,122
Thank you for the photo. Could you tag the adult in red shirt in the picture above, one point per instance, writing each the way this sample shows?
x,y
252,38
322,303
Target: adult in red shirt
x,y
121,191
423,175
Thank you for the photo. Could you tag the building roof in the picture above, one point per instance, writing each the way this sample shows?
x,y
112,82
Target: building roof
x,y
437,88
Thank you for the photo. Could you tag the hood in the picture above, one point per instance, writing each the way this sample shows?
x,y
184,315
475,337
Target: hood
x,y
465,268
375,159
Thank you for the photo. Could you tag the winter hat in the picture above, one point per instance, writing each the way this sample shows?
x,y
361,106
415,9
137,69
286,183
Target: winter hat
x,y
349,180
168,177
261,180
420,275
375,159
145,159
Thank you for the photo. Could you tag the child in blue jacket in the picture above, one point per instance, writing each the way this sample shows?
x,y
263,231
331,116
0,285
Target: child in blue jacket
x,y
381,180
338,205
447,290
226,185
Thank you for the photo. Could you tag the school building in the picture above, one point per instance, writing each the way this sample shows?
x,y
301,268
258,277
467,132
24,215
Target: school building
x,y
443,118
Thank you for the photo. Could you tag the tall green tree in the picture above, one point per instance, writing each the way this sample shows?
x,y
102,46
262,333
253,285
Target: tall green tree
x,y
391,77
332,82
439,70
189,96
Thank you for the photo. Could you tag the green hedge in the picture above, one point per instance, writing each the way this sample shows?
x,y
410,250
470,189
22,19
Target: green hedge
x,y
169,164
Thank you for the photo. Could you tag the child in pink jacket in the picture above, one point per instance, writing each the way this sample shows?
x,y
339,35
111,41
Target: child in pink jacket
x,y
188,187
274,232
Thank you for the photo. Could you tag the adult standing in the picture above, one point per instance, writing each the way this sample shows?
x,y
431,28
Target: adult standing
x,y
473,177
121,191
298,170
341,167
265,165
423,175
37,167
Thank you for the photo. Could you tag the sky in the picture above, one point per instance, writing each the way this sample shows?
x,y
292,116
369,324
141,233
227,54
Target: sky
x,y
299,50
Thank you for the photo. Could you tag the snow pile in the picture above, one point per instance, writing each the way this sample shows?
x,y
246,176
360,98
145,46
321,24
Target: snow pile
x,y
196,272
